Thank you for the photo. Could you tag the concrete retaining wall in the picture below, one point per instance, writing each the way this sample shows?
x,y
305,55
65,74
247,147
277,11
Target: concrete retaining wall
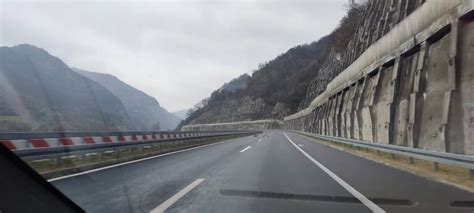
x,y
414,87
244,125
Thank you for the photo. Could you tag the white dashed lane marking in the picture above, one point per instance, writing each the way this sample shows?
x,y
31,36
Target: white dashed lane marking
x,y
243,150
371,205
168,203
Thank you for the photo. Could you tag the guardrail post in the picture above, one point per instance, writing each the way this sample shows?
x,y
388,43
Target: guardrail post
x,y
411,160
394,156
79,157
471,171
436,166
57,161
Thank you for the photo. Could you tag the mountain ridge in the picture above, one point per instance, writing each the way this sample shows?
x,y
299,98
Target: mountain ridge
x,y
49,96
143,109
39,92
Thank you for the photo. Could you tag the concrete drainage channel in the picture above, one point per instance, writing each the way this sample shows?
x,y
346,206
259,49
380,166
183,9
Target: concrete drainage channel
x,y
71,164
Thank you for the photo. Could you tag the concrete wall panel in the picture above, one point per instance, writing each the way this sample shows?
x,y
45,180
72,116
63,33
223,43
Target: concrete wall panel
x,y
434,85
406,75
461,115
382,106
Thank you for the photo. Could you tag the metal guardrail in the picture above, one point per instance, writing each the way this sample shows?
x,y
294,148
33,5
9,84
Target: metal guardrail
x,y
62,151
33,135
465,161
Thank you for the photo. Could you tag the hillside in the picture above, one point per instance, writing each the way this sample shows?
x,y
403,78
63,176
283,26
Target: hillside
x,y
239,83
361,27
144,111
291,81
38,92
273,91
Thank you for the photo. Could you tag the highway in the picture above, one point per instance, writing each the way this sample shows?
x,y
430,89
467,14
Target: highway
x,y
272,172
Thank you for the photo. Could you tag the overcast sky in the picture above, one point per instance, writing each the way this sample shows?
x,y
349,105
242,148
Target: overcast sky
x,y
176,51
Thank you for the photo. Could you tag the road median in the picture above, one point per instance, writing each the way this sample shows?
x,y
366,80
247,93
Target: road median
x,y
50,169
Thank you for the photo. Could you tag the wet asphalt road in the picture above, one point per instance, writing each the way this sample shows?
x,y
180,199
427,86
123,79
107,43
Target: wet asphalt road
x,y
266,173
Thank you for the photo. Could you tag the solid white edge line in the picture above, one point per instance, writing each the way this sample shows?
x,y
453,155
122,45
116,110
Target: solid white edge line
x,y
245,149
133,161
168,203
371,205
